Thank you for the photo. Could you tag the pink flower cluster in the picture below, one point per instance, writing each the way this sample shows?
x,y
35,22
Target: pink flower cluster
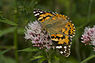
x,y
88,36
38,36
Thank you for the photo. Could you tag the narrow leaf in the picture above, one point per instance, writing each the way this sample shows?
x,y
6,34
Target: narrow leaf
x,y
89,58
8,22
29,49
3,52
36,57
6,31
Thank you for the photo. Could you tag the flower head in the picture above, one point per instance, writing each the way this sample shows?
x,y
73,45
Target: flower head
x,y
38,35
89,36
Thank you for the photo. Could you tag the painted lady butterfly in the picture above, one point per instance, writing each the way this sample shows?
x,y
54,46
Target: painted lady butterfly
x,y
59,27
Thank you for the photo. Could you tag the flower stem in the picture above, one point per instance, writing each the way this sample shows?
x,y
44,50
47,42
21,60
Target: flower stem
x,y
88,58
48,57
15,45
16,33
89,11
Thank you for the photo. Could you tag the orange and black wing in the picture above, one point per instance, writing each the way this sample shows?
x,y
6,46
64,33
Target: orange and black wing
x,y
43,15
69,29
63,41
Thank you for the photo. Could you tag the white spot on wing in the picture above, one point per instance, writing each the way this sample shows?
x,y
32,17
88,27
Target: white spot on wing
x,y
58,47
69,46
61,52
41,12
65,47
64,51
36,14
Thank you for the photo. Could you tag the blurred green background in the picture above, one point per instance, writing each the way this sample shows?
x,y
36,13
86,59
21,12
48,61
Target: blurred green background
x,y
14,16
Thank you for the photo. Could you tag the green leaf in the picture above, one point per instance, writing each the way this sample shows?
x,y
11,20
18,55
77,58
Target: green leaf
x,y
8,22
36,57
4,59
6,31
89,58
3,52
41,60
29,49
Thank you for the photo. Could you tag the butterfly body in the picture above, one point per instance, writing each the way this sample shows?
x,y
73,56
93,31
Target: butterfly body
x,y
59,27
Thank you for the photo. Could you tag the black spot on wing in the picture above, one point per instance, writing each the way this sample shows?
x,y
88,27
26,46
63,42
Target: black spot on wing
x,y
54,13
52,37
40,19
63,37
69,32
69,25
55,43
38,12
58,37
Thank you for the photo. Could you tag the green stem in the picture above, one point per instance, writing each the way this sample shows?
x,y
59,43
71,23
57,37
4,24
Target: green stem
x,y
77,48
88,59
16,33
48,57
16,46
89,10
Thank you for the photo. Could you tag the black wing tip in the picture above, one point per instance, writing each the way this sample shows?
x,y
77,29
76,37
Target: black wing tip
x,y
39,10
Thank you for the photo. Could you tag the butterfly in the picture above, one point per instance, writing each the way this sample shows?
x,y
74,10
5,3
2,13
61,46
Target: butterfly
x,y
60,28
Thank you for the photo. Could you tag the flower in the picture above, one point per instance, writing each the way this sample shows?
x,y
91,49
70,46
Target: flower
x,y
89,36
38,36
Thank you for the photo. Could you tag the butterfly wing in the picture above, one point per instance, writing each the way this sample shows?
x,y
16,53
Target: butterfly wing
x,y
69,29
62,42
43,15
